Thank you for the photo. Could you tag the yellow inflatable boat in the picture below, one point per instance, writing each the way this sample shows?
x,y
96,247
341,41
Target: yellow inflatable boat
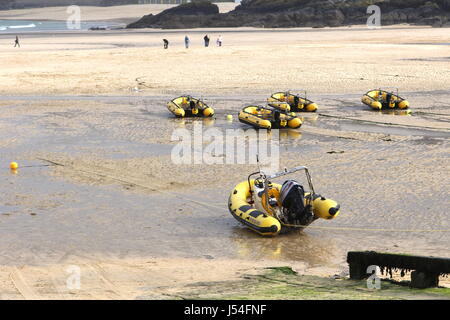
x,y
269,208
187,106
287,101
265,118
381,99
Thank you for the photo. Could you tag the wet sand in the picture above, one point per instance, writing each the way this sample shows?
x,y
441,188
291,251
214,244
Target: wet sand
x,y
97,187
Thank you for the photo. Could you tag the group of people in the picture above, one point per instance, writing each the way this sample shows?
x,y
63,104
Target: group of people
x,y
187,41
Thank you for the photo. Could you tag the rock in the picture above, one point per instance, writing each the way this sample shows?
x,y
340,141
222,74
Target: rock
x,y
435,22
199,7
428,9
298,13
334,17
6,4
395,16
422,280
304,15
190,15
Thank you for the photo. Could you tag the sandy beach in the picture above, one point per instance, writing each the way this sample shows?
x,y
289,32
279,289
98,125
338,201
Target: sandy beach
x,y
350,61
84,115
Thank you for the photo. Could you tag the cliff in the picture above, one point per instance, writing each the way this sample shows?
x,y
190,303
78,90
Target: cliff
x,y
298,13
189,15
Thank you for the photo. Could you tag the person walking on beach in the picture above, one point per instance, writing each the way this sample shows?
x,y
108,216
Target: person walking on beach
x,y
16,43
219,41
206,38
166,43
186,42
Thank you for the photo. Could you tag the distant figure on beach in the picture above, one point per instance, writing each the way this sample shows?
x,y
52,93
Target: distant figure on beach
x,y
206,38
186,42
166,43
219,41
16,43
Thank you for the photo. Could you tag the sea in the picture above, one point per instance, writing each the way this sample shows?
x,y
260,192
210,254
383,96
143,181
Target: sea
x,y
22,26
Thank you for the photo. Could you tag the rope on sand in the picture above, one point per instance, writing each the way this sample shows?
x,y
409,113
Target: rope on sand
x,y
129,183
222,209
432,113
383,123
142,83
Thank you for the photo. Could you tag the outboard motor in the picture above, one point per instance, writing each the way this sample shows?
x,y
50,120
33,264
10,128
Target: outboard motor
x,y
387,103
292,197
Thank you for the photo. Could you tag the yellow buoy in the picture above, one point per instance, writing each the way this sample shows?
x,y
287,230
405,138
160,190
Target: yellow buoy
x,y
14,165
229,117
208,112
294,123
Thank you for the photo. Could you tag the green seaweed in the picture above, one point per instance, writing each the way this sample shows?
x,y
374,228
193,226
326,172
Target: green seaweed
x,y
284,270
283,283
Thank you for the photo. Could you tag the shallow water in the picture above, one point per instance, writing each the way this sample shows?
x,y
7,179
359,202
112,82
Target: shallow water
x,y
429,43
19,26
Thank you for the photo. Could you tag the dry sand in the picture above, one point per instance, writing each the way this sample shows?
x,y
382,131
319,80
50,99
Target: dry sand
x,y
350,61
116,201
112,278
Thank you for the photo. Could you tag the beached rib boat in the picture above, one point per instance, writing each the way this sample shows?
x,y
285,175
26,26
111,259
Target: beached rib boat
x,y
381,99
269,208
266,118
187,106
287,101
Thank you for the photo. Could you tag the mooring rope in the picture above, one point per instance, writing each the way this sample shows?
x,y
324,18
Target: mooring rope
x,y
223,209
383,123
